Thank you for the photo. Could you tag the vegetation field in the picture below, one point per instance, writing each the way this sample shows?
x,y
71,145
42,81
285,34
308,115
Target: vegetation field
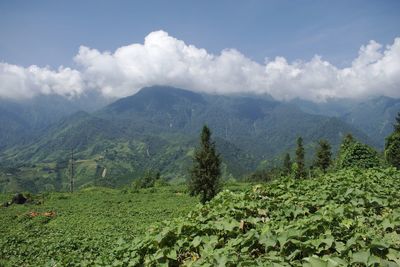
x,y
347,218
82,228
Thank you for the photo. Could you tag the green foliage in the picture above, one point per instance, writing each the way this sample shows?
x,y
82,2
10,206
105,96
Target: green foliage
x,y
355,154
300,171
156,129
149,179
265,175
206,170
392,150
351,217
287,165
347,141
88,227
323,155
392,145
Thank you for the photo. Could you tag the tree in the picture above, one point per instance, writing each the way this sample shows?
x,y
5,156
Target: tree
x,y
396,126
347,140
205,173
392,145
300,170
323,156
355,154
148,180
287,165
259,176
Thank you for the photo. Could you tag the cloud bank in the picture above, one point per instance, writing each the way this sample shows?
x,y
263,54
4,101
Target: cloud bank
x,y
165,60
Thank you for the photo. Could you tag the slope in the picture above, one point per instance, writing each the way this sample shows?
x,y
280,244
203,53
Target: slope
x,y
158,127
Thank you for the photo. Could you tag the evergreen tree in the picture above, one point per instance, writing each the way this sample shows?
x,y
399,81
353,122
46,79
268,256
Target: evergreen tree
x,y
396,126
355,154
323,156
287,165
347,141
392,145
206,172
300,170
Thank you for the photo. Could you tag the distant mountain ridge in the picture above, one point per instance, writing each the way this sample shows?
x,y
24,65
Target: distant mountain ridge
x,y
158,129
374,116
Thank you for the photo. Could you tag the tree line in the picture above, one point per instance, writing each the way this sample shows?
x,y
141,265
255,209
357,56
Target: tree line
x,y
205,174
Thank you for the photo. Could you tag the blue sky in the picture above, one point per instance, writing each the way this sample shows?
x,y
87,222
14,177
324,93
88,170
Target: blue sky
x,y
313,50
50,32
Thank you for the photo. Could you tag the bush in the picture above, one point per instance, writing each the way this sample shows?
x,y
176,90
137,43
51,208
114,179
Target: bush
x,y
358,155
264,175
150,179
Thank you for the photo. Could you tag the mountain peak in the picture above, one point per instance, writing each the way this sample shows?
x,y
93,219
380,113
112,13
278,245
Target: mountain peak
x,y
155,97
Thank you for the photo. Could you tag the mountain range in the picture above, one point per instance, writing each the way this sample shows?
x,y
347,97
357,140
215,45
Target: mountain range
x,y
158,129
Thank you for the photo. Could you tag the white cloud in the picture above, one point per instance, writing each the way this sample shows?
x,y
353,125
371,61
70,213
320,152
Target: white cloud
x,y
18,82
165,60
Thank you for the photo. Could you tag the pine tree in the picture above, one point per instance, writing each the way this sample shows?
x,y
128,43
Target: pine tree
x,y
396,126
206,172
300,170
287,165
323,156
347,141
392,145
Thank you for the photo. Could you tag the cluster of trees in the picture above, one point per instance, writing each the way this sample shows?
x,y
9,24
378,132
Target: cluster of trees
x,y
352,153
149,179
206,172
322,160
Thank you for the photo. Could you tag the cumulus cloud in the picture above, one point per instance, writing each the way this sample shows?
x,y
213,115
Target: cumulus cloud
x,y
18,82
165,60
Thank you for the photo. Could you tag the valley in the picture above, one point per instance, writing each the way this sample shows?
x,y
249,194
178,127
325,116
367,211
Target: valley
x,y
156,129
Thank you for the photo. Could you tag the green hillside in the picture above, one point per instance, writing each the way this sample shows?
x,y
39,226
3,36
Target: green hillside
x,y
157,129
373,116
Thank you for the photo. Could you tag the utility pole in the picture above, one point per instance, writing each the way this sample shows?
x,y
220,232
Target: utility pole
x,y
71,173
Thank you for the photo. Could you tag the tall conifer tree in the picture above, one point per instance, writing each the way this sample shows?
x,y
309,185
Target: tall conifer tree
x,y
206,172
323,156
300,170
287,165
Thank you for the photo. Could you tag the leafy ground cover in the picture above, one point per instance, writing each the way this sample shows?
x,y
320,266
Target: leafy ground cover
x,y
81,229
351,217
347,218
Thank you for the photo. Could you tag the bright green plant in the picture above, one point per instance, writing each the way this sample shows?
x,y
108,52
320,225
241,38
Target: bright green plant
x,y
347,218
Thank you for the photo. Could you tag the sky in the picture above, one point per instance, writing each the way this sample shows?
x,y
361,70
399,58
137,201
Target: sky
x,y
308,49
